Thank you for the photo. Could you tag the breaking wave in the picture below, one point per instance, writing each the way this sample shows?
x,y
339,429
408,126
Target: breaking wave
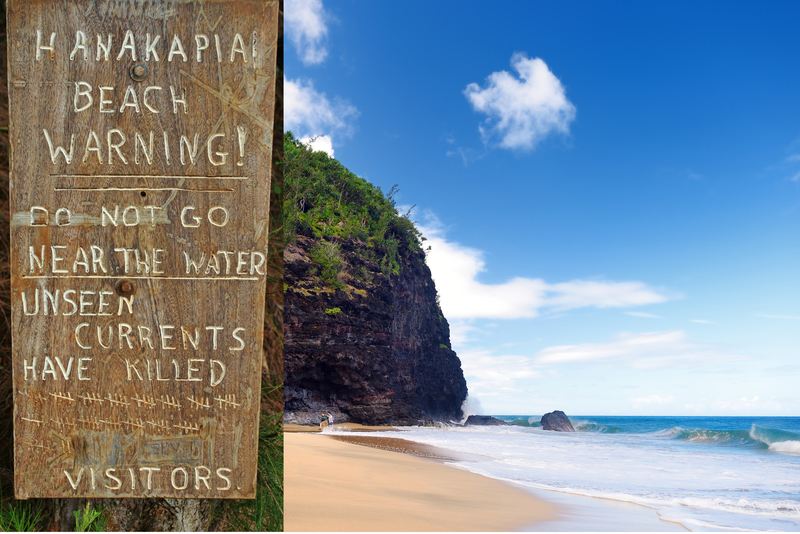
x,y
758,437
530,422
588,426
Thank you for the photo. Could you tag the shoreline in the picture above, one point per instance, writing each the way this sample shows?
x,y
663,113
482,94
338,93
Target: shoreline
x,y
567,512
580,513
330,485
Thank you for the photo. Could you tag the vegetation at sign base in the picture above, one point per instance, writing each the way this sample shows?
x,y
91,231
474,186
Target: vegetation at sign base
x,y
265,512
20,516
326,201
91,519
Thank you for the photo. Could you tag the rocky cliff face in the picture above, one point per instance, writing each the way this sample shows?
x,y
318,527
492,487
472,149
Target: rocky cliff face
x,y
377,351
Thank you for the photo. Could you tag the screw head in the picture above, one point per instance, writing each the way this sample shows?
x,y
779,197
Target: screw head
x,y
139,71
125,288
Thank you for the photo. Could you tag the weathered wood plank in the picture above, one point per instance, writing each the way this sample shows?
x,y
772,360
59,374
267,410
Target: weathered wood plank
x,y
141,135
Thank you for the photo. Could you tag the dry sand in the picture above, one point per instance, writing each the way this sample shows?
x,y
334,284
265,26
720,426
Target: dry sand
x,y
335,486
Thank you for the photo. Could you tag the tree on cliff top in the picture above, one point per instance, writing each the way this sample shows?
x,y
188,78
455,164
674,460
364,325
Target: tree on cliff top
x,y
325,200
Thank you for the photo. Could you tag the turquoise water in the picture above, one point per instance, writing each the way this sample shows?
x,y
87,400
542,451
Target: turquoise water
x,y
780,434
706,473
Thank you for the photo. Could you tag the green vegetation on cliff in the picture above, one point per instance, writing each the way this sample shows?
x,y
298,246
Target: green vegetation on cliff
x,y
326,201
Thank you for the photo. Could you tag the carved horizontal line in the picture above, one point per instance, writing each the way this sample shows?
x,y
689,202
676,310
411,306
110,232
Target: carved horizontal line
x,y
166,176
150,277
142,189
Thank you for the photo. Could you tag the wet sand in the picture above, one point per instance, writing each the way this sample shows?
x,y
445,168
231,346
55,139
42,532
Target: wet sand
x,y
331,485
380,493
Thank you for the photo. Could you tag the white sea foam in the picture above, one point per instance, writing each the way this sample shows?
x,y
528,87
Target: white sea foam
x,y
702,485
792,447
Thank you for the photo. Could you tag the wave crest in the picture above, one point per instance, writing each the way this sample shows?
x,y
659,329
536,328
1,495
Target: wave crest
x,y
759,437
530,422
777,440
589,426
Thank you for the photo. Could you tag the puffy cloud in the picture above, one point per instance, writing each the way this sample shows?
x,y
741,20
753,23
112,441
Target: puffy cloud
x,y
646,350
319,143
309,113
307,29
522,110
455,269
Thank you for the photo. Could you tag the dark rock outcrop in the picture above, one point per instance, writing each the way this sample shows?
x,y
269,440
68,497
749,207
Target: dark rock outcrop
x,y
557,421
376,352
483,420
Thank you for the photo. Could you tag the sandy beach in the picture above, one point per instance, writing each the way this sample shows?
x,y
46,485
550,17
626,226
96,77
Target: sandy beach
x,y
341,482
331,485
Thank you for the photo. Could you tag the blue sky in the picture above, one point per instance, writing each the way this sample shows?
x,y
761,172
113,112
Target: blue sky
x,y
611,191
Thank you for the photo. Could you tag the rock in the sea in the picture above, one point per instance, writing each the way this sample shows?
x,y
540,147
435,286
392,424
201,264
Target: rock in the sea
x,y
557,421
483,420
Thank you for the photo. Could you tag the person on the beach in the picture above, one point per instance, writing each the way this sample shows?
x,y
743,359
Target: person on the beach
x,y
324,422
330,420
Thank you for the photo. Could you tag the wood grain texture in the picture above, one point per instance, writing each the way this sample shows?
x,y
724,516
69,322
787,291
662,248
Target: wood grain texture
x,y
138,266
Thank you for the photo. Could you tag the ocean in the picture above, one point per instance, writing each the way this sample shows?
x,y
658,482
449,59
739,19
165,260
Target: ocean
x,y
706,473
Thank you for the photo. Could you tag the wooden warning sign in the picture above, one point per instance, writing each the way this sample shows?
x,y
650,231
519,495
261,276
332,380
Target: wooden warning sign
x,y
141,136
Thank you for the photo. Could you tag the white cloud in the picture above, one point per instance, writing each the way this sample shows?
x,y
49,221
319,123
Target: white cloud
x,y
790,317
522,110
490,374
736,406
460,332
319,143
652,399
702,321
306,27
308,113
499,369
455,269
642,314
646,350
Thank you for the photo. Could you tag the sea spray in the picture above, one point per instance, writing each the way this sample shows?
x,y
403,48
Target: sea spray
x,y
788,447
470,406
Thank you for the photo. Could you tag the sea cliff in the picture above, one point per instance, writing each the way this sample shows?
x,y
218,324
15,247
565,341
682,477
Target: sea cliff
x,y
365,337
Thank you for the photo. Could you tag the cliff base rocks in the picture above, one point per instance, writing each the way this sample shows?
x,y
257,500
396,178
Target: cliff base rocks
x,y
483,420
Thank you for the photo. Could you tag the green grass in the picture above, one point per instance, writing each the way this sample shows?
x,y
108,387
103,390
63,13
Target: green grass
x,y
333,311
325,200
265,512
20,516
91,519
329,258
